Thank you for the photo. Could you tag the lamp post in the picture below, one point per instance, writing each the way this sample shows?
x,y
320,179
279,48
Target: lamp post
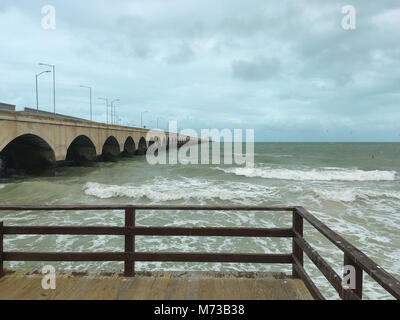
x,y
106,100
141,118
113,111
54,82
90,88
37,90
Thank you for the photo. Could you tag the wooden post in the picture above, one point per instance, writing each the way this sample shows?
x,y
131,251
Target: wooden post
x,y
129,242
358,280
297,251
1,250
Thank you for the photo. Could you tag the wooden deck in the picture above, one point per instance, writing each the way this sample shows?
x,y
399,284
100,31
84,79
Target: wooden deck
x,y
155,286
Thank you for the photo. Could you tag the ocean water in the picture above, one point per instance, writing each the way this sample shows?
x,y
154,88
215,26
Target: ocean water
x,y
352,187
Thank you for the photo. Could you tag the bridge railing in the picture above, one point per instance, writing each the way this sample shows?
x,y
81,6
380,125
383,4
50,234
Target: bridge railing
x,y
352,256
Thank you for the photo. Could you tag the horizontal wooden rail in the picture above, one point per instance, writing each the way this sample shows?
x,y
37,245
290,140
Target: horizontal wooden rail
x,y
151,231
65,230
158,208
147,257
352,256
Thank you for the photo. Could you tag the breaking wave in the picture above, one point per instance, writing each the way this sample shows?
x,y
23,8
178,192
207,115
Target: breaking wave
x,y
170,190
353,194
325,174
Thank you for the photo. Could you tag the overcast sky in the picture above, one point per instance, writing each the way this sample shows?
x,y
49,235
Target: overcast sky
x,y
284,68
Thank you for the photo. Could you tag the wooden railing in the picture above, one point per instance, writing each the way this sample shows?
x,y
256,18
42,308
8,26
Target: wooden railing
x,y
352,256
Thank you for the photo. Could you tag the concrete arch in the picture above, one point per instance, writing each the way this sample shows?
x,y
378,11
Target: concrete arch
x,y
142,146
72,135
129,147
27,153
8,137
111,149
81,149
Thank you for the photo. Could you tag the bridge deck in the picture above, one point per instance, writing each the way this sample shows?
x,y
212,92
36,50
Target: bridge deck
x,y
155,286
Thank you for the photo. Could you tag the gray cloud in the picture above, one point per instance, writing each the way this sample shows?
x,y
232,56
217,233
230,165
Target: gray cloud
x,y
183,55
257,69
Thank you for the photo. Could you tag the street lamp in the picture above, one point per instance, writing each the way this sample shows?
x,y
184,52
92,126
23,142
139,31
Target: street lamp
x,y
113,111
141,118
54,82
37,90
90,88
106,100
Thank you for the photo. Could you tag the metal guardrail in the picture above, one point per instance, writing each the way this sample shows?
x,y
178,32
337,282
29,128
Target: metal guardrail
x,y
352,255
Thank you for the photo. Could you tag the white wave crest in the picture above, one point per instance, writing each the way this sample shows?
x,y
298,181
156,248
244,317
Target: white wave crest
x,y
169,190
2,186
314,174
353,194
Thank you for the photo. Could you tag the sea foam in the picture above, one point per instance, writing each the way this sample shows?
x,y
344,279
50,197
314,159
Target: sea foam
x,y
161,190
353,194
314,174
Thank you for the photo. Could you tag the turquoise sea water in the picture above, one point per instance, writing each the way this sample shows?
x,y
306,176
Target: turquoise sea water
x,y
354,188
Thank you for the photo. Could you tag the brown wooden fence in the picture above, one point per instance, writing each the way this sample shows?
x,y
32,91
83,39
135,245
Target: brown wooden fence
x,y
352,256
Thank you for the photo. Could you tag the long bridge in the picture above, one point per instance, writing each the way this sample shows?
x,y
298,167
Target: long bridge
x,y
39,141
